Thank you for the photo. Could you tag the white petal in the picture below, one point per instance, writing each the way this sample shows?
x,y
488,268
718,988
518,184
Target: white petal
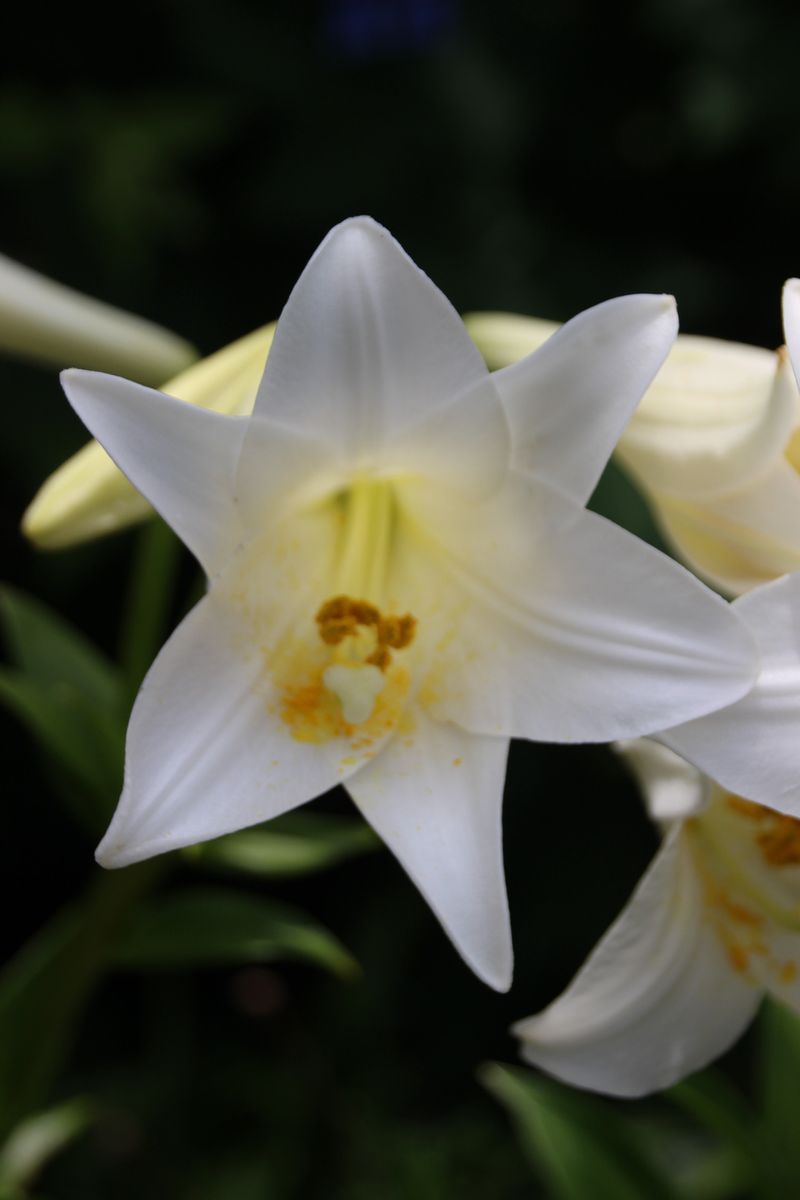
x,y
717,415
656,999
207,750
671,787
42,319
563,627
742,538
370,355
569,401
88,497
791,321
752,747
779,970
180,457
435,796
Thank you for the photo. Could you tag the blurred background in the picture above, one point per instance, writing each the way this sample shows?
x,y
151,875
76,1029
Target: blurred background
x,y
183,161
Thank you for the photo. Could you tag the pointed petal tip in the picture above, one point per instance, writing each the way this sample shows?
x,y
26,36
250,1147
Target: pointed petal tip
x,y
498,977
354,228
494,967
108,857
116,849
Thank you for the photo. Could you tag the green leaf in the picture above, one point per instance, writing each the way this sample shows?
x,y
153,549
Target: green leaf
x,y
38,1139
579,1145
710,1100
80,737
50,652
215,926
779,1087
44,987
71,699
294,844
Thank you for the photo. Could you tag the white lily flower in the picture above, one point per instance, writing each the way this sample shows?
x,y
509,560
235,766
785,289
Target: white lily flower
x,y
712,926
714,446
45,321
390,602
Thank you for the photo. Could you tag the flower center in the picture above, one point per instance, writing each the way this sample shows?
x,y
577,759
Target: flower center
x,y
757,851
351,678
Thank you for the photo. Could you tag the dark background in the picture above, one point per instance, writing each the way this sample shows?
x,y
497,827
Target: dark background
x,y
182,160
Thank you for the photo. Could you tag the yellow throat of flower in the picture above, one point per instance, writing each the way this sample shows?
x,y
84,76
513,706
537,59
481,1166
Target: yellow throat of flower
x,y
356,681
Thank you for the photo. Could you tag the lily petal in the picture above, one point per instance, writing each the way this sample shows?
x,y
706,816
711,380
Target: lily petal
x,y
717,416
181,458
435,797
207,751
87,496
574,630
738,539
656,999
751,747
568,402
505,338
370,351
791,321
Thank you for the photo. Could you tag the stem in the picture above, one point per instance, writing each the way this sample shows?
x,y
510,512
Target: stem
x,y
150,593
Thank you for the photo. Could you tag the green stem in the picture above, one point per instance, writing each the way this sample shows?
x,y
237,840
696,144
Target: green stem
x,y
149,599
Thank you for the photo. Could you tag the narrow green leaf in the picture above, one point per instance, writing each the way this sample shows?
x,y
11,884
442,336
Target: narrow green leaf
x,y
50,652
70,697
39,1138
711,1101
80,737
294,844
779,1088
43,988
216,926
579,1145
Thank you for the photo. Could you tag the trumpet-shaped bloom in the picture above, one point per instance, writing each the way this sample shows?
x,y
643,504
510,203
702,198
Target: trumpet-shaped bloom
x,y
712,926
45,321
714,445
390,600
88,496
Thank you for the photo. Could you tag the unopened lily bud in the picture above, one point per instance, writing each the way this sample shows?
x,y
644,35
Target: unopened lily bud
x,y
48,322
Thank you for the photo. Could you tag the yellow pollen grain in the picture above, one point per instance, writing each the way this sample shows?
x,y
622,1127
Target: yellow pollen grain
x,y
788,972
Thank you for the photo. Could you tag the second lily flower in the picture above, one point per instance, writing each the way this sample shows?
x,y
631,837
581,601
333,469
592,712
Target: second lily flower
x,y
399,582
